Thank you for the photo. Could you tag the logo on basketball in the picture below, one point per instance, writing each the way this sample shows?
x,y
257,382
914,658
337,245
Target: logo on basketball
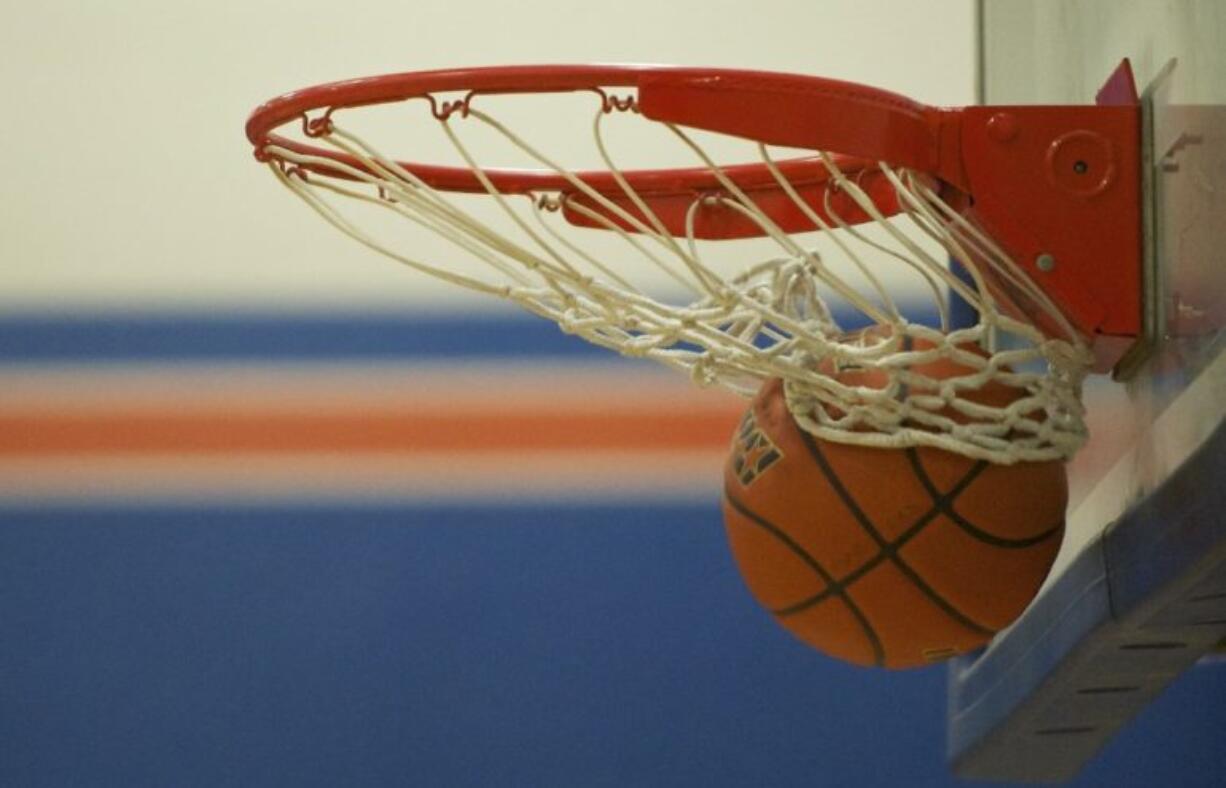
x,y
752,451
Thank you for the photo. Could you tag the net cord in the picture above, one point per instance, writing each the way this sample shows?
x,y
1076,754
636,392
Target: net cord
x,y
773,319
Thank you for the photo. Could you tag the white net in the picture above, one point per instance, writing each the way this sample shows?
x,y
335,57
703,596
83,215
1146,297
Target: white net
x,y
998,390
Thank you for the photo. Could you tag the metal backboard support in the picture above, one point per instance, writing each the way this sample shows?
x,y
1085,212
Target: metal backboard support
x,y
1138,593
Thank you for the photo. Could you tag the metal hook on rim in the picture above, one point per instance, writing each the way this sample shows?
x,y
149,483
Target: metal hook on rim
x,y
318,127
443,110
611,103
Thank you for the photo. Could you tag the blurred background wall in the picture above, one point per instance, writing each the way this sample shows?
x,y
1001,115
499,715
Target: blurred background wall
x,y
274,511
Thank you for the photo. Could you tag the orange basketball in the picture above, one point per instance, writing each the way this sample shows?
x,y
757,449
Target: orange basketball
x,y
886,557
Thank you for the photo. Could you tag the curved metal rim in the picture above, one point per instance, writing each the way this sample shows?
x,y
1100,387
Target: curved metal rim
x,y
294,107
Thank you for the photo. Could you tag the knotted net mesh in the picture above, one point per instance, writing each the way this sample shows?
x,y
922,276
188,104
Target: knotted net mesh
x,y
855,368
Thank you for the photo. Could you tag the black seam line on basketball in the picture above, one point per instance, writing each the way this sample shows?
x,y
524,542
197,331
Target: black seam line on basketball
x,y
884,546
946,504
871,634
897,544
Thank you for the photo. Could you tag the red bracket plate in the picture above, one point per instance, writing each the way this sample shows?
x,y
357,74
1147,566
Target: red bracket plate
x,y
1059,188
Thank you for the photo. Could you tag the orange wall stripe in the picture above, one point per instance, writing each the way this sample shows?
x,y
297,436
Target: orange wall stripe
x,y
416,430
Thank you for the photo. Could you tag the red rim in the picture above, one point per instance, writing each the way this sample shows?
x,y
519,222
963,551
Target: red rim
x,y
861,124
993,176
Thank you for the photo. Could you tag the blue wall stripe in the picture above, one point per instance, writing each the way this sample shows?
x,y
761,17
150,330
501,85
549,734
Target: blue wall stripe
x,y
289,337
45,338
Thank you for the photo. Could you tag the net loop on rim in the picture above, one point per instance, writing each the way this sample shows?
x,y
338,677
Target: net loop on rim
x,y
1007,392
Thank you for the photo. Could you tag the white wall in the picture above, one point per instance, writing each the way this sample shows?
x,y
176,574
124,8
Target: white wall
x,y
1060,52
128,183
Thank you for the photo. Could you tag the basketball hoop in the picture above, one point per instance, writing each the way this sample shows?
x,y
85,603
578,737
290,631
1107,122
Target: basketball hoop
x,y
969,180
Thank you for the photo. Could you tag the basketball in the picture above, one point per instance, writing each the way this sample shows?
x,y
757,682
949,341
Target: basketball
x,y
893,558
